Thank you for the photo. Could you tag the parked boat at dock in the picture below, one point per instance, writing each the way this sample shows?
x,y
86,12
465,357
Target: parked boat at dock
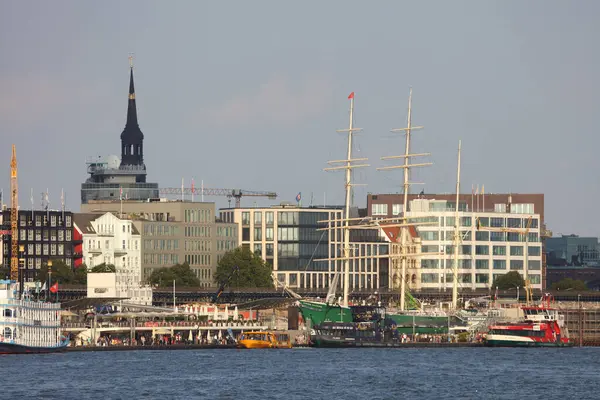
x,y
28,325
541,326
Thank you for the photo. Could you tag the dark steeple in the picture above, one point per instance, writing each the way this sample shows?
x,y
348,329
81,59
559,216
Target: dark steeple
x,y
132,138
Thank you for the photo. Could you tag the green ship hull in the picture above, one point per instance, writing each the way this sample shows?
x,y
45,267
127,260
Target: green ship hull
x,y
317,312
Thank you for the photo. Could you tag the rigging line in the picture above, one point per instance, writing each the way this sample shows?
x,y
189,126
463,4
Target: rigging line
x,y
314,251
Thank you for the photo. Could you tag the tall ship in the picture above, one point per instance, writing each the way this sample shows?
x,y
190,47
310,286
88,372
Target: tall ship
x,y
331,311
541,326
28,325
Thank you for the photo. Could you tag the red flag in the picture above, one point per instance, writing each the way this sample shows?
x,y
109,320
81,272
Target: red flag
x,y
351,95
193,191
54,288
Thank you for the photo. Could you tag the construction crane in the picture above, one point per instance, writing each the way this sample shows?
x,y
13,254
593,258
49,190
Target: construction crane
x,y
522,231
14,206
235,193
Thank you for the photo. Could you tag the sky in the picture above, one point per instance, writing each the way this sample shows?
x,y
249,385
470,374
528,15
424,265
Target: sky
x,y
248,95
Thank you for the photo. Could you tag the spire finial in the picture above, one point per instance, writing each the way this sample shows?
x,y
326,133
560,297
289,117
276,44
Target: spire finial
x,y
131,60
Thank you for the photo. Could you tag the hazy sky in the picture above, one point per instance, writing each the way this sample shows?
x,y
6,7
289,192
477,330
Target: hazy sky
x,y
249,94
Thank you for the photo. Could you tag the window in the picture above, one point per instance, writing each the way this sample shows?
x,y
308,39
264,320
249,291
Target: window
x,y
258,234
523,208
516,264
499,264
245,234
497,223
269,249
426,263
500,208
482,250
481,278
258,249
124,245
430,278
246,218
123,228
257,218
465,221
516,250
61,235
429,235
497,236
482,236
499,250
514,222
53,220
290,234
534,251
482,264
465,249
533,265
397,209
379,209
269,218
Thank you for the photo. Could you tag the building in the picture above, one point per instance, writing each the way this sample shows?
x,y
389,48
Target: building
x,y
289,239
573,250
174,232
483,254
588,274
43,236
112,178
390,205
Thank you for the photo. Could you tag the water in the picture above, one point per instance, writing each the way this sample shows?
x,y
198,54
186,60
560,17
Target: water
x,y
460,373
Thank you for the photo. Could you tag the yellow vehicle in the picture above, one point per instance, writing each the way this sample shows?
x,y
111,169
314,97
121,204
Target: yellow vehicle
x,y
264,340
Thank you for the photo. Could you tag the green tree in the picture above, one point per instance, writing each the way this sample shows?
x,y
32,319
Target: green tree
x,y
4,272
104,267
182,274
61,273
80,275
252,271
569,284
507,281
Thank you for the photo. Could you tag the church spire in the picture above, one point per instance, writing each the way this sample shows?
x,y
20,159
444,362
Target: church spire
x,y
132,138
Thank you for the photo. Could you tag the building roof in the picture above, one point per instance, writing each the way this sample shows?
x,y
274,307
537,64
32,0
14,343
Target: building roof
x,y
83,221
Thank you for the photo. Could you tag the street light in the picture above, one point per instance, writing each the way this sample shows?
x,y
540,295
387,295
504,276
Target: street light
x,y
49,278
578,298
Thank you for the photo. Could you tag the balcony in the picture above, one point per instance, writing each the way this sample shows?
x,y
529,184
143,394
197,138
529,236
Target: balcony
x,y
120,252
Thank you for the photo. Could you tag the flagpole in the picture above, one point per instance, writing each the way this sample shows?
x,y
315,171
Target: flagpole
x,y
182,197
202,190
32,207
192,190
472,197
121,200
483,198
62,203
477,195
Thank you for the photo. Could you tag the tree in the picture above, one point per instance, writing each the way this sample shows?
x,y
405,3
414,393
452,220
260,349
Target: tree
x,y
507,281
182,274
4,272
252,271
80,275
569,284
104,268
61,273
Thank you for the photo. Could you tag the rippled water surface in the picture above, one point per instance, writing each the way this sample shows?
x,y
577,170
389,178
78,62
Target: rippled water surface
x,y
461,373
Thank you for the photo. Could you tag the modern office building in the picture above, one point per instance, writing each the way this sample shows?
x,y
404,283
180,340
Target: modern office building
x,y
108,239
43,236
289,239
112,177
484,253
174,232
573,250
390,205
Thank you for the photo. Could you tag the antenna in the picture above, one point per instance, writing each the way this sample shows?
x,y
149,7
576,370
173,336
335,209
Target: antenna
x,y
406,186
456,236
348,165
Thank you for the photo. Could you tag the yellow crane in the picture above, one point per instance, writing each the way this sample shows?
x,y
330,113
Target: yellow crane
x,y
14,210
521,231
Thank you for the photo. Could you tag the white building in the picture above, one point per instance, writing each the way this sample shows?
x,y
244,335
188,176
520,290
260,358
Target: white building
x,y
287,237
108,239
483,254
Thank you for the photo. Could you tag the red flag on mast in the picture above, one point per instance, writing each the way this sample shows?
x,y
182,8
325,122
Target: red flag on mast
x,y
351,95
54,288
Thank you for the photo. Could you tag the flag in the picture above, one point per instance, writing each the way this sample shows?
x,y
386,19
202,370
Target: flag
x,y
482,188
120,193
472,188
351,96
54,288
298,196
193,190
477,191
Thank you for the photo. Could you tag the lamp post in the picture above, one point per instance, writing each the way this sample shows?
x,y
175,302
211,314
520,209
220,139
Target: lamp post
x,y
21,270
49,278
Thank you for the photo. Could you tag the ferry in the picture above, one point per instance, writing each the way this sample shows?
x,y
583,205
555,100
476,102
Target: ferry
x,y
27,325
542,326
264,340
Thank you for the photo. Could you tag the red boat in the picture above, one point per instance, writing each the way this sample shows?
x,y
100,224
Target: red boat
x,y
542,326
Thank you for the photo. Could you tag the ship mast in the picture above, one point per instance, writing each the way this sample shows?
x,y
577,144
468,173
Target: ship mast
x,y
456,237
14,210
406,186
347,165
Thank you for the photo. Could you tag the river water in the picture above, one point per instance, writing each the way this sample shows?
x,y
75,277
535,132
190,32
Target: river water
x,y
459,373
